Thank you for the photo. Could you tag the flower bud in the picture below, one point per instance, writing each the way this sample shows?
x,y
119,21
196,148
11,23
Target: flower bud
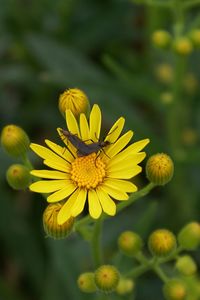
x,y
75,100
166,97
162,242
186,265
86,283
161,38
190,136
164,73
190,83
189,236
183,46
160,168
14,140
51,226
106,278
130,243
18,177
174,289
124,286
195,37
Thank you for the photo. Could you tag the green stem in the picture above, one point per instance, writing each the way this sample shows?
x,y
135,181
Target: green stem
x,y
96,243
27,162
138,271
178,18
143,192
160,273
174,113
152,264
170,257
82,222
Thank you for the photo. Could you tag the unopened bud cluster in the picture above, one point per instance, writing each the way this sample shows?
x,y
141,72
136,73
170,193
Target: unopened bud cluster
x,y
15,142
162,244
183,45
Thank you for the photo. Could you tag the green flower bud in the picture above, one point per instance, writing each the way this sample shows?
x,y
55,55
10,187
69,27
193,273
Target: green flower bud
x,y
75,100
183,46
164,73
186,265
106,278
51,226
190,83
86,283
195,37
189,236
124,286
18,177
161,38
166,97
162,242
160,168
130,243
14,140
174,289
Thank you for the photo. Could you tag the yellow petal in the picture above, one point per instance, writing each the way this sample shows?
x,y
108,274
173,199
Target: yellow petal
x,y
48,154
79,203
126,164
114,193
120,158
95,123
47,186
64,167
136,147
115,130
124,174
62,193
49,174
65,212
84,128
108,205
120,144
72,124
61,151
95,209
122,185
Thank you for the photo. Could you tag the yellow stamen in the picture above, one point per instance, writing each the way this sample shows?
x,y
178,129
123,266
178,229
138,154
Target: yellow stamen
x,y
88,171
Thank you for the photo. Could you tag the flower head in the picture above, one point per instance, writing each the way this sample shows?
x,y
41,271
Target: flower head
x,y
100,177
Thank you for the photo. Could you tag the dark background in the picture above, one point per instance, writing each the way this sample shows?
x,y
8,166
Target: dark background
x,y
104,48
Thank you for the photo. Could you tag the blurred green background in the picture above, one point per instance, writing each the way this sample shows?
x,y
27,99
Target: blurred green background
x,y
104,48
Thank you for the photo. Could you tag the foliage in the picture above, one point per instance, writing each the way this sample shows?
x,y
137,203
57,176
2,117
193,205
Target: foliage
x,y
105,49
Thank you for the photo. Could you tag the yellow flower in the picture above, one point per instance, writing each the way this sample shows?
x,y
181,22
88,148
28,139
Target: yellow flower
x,y
100,178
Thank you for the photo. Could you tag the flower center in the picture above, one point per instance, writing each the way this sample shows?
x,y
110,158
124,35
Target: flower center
x,y
88,171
